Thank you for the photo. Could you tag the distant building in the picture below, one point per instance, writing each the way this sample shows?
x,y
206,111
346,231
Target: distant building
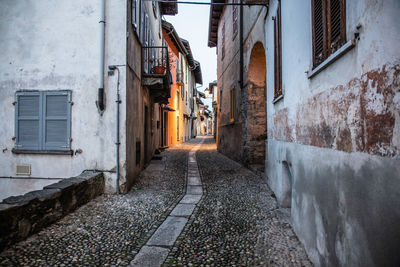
x,y
66,68
178,119
309,94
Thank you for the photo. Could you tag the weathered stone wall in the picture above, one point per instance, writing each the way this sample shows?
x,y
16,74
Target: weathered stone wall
x,y
22,216
239,138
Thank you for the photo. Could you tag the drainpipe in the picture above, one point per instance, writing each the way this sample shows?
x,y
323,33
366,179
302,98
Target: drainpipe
x,y
100,92
241,44
117,143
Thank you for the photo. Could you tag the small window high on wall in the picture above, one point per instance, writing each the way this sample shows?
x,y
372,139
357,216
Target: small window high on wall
x,y
328,28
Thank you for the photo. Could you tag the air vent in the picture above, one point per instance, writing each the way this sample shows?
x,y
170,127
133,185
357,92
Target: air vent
x,y
23,169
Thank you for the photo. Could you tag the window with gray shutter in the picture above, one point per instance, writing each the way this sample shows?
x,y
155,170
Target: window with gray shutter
x,y
27,123
43,121
56,121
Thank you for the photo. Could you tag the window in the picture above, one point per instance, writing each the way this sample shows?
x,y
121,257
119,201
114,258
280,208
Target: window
x,y
223,42
277,53
177,99
138,153
142,24
146,35
42,121
177,128
152,54
220,98
232,104
154,3
328,27
235,19
134,13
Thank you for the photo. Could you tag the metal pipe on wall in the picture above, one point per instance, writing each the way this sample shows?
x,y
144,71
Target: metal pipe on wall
x,y
117,142
241,45
100,92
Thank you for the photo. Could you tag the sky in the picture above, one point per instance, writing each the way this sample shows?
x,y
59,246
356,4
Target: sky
x,y
191,23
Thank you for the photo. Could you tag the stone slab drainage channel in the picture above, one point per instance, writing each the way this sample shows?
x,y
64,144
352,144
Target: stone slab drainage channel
x,y
156,250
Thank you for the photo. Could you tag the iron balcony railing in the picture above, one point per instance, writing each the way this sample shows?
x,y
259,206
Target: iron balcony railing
x,y
155,60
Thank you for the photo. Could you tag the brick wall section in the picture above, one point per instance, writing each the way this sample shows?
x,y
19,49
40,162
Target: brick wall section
x,y
22,216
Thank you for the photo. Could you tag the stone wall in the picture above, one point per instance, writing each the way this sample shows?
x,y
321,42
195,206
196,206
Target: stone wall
x,y
22,216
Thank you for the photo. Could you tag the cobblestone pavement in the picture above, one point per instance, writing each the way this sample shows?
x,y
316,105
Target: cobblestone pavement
x,y
110,229
237,223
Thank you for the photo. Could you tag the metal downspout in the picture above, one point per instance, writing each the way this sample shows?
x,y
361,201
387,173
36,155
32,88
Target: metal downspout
x,y
100,93
241,45
117,140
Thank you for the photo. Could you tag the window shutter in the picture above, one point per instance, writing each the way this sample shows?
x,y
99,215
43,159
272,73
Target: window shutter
x,y
134,12
56,120
318,31
27,120
142,24
336,24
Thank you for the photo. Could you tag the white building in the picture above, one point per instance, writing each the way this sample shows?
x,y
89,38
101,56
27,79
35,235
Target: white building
x,y
62,65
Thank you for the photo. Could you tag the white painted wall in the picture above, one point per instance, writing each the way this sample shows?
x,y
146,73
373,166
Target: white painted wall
x,y
52,45
342,202
14,187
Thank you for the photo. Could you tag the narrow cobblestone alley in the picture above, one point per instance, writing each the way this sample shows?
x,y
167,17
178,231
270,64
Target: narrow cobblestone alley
x,y
236,223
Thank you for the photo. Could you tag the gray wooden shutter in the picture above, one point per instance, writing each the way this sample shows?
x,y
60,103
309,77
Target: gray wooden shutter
x,y
56,120
27,120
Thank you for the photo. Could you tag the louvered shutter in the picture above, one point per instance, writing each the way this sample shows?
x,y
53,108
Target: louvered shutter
x,y
27,121
56,120
336,25
318,17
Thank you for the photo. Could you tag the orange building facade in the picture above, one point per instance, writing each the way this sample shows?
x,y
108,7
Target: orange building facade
x,y
178,116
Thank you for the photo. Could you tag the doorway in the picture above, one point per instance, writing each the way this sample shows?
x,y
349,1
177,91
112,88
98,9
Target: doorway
x,y
146,132
165,129
256,123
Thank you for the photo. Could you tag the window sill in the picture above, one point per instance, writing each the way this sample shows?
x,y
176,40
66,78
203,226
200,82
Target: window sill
x,y
46,152
277,99
332,58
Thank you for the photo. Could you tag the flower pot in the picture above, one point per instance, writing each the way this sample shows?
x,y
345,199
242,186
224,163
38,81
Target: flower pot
x,y
159,69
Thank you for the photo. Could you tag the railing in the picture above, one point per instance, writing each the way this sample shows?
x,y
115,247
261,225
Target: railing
x,y
155,60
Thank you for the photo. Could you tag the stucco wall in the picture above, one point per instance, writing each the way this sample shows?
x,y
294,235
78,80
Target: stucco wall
x,y
49,45
14,186
232,135
333,140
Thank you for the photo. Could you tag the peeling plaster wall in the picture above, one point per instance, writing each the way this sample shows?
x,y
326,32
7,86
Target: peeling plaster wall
x,y
49,45
338,133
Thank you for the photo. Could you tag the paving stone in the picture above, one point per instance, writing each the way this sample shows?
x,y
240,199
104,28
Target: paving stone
x,y
168,231
190,199
183,210
237,222
194,180
150,257
194,190
110,229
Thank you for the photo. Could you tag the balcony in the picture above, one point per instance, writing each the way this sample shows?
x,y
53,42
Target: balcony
x,y
155,72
